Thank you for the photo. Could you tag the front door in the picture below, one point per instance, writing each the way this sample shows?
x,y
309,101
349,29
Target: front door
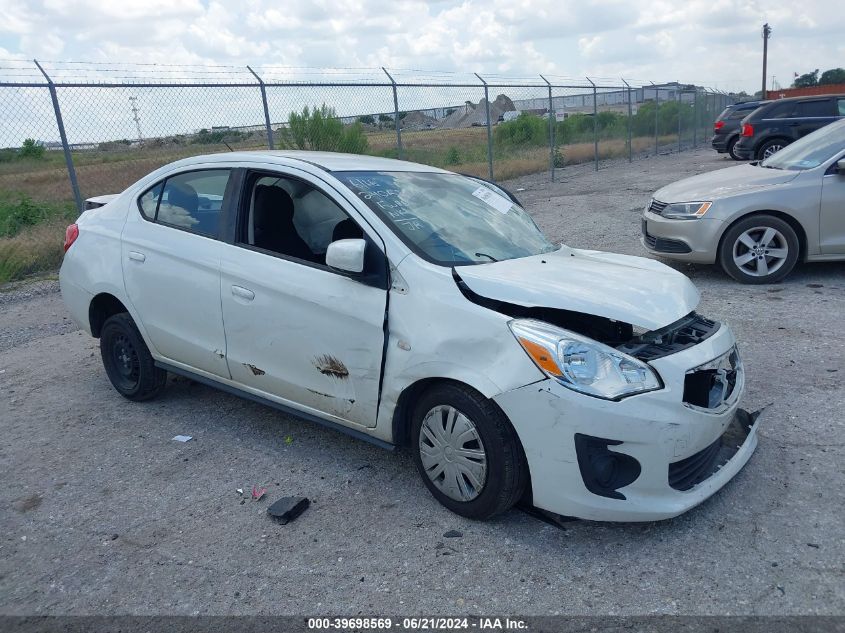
x,y
296,330
832,212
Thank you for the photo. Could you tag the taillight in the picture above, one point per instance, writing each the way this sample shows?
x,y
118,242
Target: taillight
x,y
71,233
718,125
747,130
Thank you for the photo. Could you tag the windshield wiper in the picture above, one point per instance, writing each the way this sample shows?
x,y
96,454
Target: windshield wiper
x,y
490,257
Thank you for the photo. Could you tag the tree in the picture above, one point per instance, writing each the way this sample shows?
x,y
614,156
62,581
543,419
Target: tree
x,y
832,76
806,80
320,129
367,119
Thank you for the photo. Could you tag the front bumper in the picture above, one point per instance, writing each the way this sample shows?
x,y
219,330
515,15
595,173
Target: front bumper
x,y
694,241
666,438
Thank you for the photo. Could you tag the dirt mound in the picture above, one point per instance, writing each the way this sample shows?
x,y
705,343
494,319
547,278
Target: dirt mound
x,y
476,114
418,121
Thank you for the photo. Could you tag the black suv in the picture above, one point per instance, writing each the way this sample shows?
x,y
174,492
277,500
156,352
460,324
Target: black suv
x,y
776,124
726,127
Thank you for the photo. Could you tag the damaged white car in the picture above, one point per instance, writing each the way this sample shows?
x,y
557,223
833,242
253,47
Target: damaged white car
x,y
416,307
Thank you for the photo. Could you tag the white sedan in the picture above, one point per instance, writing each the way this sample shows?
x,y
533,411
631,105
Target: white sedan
x,y
415,307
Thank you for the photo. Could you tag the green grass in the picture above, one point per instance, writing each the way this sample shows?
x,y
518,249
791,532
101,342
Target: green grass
x,y
31,235
18,212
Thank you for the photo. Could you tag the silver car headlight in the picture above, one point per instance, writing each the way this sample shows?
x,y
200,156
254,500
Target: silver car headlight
x,y
582,364
685,210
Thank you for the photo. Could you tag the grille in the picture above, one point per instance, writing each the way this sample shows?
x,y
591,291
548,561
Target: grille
x,y
675,337
688,472
664,245
711,385
696,468
656,206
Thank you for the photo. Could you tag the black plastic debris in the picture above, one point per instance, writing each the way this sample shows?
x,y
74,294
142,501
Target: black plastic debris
x,y
287,509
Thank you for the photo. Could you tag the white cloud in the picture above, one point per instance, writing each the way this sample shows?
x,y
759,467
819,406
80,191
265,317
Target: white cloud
x,y
710,42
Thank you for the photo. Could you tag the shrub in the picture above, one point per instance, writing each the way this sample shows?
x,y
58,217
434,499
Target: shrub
x,y
523,130
31,149
320,129
19,212
453,156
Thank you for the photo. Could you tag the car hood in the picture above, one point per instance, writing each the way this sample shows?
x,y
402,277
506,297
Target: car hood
x,y
722,183
634,290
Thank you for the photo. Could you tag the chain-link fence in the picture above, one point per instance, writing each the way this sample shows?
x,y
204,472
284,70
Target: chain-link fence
x,y
72,131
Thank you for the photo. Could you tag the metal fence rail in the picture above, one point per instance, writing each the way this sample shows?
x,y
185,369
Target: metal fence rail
x,y
71,131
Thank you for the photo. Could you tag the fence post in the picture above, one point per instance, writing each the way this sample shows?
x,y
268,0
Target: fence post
x,y
656,118
489,128
269,127
630,123
695,117
552,121
680,105
71,171
595,124
395,114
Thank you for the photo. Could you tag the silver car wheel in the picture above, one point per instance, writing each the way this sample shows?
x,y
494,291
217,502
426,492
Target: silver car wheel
x,y
452,453
760,251
771,149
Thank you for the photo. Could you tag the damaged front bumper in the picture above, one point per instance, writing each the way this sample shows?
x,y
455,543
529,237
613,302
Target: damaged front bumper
x,y
647,457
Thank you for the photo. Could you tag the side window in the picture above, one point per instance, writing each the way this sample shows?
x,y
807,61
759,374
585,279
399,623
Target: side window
x,y
841,106
292,218
148,202
190,201
739,113
193,200
820,107
780,111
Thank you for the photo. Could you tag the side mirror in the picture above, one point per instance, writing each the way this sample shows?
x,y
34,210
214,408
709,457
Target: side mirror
x,y
840,166
346,255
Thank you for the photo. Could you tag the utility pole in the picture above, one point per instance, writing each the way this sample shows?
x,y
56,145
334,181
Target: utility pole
x,y
767,33
134,102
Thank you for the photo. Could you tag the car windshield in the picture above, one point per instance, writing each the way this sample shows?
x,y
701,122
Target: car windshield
x,y
810,151
449,219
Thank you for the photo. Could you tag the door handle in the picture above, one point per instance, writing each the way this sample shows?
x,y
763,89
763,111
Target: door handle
x,y
138,257
243,293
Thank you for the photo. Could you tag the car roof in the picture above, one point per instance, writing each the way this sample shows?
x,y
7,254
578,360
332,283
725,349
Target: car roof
x,y
748,104
329,161
806,98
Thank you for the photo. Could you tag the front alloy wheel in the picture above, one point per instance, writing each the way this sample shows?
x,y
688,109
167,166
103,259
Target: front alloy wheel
x,y
759,249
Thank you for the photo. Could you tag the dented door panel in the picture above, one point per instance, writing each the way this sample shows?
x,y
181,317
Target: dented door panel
x,y
307,335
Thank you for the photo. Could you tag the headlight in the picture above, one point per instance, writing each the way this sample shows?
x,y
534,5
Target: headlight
x,y
581,363
685,210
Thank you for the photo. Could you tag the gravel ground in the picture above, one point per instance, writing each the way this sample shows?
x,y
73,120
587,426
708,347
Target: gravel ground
x,y
102,513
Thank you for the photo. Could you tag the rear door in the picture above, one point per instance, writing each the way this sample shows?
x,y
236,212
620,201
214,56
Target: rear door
x,y
812,115
298,331
171,267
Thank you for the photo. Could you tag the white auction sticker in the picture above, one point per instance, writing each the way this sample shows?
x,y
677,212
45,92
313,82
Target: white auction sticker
x,y
501,204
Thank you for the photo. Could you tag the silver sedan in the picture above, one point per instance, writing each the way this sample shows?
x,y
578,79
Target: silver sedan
x,y
757,220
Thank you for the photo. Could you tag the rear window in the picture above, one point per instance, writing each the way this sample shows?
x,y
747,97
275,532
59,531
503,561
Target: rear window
x,y
739,113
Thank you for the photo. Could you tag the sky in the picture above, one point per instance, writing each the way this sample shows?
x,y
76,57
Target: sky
x,y
715,43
